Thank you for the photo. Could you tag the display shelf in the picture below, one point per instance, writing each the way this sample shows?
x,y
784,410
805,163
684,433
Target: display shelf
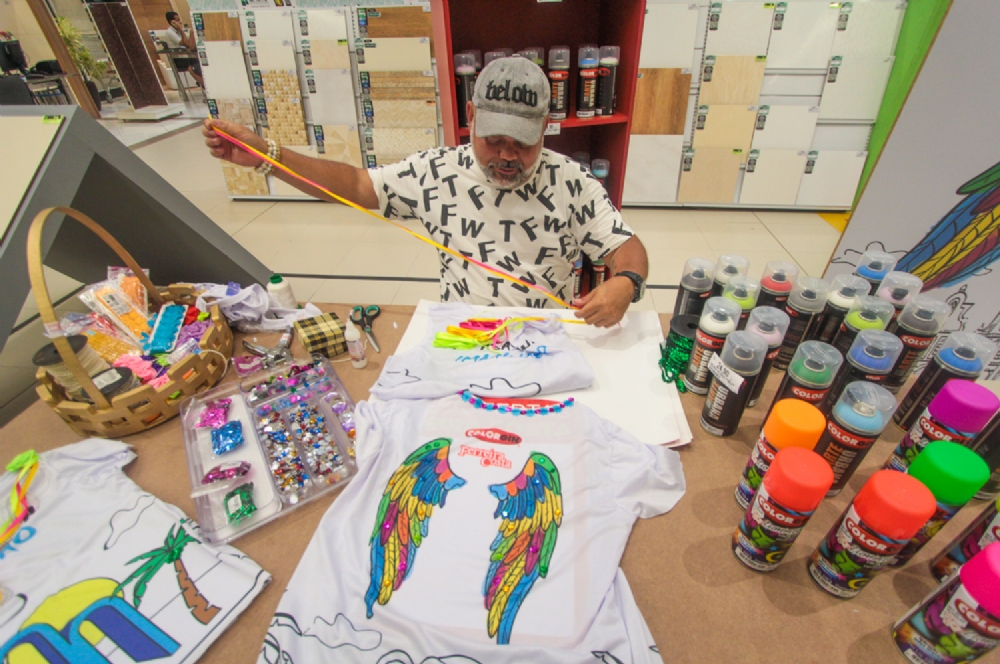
x,y
573,123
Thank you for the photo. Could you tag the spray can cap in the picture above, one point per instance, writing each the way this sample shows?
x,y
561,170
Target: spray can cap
x,y
742,290
981,578
744,352
894,504
967,352
729,266
534,53
478,55
865,407
798,479
875,351
720,310
809,294
846,287
490,56
587,55
770,323
964,406
697,275
582,158
925,314
815,363
465,63
779,276
794,423
899,287
952,472
869,313
559,57
874,265
600,167
610,55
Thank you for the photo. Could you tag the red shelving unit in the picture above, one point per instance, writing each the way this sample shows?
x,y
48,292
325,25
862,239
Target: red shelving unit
x,y
460,25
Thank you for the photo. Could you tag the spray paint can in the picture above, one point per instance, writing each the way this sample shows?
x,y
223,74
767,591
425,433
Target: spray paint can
x,y
776,284
804,308
732,372
960,620
478,55
743,291
917,326
954,474
987,445
791,491
873,267
559,82
534,53
810,374
695,286
600,273
870,359
717,321
962,357
959,411
607,78
465,83
853,426
599,168
898,288
586,98
578,278
867,313
792,423
983,531
890,508
497,54
727,267
843,291
770,324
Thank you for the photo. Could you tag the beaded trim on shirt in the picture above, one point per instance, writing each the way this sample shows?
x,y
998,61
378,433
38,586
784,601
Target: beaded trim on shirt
x,y
516,410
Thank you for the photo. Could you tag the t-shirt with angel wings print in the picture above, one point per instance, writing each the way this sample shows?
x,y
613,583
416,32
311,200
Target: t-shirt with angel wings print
x,y
534,232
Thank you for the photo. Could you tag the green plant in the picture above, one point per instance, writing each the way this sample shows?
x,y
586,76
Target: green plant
x,y
90,68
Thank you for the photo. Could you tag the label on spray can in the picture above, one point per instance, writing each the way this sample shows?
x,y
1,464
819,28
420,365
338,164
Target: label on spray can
x,y
689,302
723,408
607,76
913,348
941,516
948,627
844,449
982,532
926,430
753,474
559,102
758,381
800,326
930,382
767,532
851,555
705,346
586,99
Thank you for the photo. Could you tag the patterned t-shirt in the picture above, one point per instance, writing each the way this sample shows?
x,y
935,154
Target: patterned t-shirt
x,y
534,232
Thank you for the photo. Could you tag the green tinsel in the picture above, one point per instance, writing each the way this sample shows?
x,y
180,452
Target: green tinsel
x,y
675,354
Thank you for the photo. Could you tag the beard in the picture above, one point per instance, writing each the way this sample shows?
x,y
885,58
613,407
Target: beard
x,y
491,169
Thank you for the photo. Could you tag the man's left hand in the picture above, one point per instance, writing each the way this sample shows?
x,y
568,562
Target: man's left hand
x,y
606,305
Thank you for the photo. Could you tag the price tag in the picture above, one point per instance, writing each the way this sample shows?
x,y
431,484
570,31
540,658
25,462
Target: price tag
x,y
724,374
553,129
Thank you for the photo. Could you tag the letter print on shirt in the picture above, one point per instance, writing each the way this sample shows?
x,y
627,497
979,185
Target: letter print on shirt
x,y
531,507
422,481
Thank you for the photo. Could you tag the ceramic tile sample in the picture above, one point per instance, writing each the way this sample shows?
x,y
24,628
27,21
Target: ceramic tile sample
x,y
282,188
399,22
239,111
396,54
785,127
400,79
267,24
321,24
853,138
241,181
792,85
123,42
854,87
731,79
330,94
285,122
661,97
652,169
338,143
801,39
772,177
831,179
724,127
219,26
868,28
325,54
279,83
403,113
226,71
401,93
271,54
710,176
395,140
739,28
668,36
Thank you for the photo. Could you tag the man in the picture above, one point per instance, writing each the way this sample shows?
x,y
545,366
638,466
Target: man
x,y
174,37
502,200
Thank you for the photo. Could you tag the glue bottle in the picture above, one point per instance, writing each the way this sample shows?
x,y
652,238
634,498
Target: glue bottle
x,y
729,266
465,83
960,620
810,374
586,98
732,377
954,474
804,308
867,313
792,423
355,346
717,320
898,288
890,508
917,327
743,291
987,445
853,426
281,291
959,411
776,284
843,292
873,267
607,78
695,286
791,491
770,323
962,357
559,82
599,168
982,532
870,359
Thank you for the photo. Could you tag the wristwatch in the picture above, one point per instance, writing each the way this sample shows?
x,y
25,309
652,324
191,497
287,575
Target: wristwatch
x,y
638,282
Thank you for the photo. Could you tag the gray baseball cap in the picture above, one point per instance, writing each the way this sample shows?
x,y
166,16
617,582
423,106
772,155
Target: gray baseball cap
x,y
511,99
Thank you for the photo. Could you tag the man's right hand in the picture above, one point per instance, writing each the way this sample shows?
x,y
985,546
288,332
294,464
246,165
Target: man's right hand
x,y
223,149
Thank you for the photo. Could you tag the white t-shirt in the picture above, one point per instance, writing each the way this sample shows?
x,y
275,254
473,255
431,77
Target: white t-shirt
x,y
462,459
172,38
534,232
105,569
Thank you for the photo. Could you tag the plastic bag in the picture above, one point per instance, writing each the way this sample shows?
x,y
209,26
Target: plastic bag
x,y
252,309
107,299
101,335
131,287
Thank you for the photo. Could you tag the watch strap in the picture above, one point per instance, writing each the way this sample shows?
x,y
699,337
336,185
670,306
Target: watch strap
x,y
637,282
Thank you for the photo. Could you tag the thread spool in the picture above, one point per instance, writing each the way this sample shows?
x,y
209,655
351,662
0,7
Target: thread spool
x,y
676,350
48,358
114,382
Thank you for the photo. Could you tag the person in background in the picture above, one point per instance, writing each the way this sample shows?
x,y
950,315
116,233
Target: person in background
x,y
174,37
502,199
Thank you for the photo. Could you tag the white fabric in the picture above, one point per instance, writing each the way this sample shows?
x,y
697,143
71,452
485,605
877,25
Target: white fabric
x,y
534,232
88,533
252,308
172,38
582,609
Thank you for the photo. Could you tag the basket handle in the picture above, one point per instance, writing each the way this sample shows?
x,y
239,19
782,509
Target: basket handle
x,y
41,292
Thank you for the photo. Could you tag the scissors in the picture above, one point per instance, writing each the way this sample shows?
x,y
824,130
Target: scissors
x,y
364,317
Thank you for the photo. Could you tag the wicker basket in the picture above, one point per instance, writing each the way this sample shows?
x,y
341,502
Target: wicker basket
x,y
141,408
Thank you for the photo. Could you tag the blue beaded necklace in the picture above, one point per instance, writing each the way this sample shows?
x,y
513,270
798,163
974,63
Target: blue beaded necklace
x,y
515,409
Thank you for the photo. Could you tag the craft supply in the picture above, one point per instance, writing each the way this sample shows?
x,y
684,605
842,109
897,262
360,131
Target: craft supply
x,y
114,382
193,332
898,288
770,324
102,337
364,317
962,357
107,299
189,347
355,346
322,334
987,445
843,292
247,364
321,453
25,465
804,308
954,474
534,53
873,267
959,411
717,320
793,488
239,503
287,469
600,168
917,327
144,368
694,288
600,274
166,329
853,426
870,359
743,291
48,358
867,313
890,508
586,88
960,620
281,292
478,55
982,532
490,56
226,471
776,284
728,266
732,372
792,423
675,351
810,374
215,414
607,78
227,438
559,82
577,276
131,287
465,81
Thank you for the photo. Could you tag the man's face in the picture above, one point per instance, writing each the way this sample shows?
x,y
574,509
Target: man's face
x,y
507,163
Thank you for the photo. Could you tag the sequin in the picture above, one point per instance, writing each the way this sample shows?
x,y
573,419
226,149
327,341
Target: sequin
x,y
227,437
